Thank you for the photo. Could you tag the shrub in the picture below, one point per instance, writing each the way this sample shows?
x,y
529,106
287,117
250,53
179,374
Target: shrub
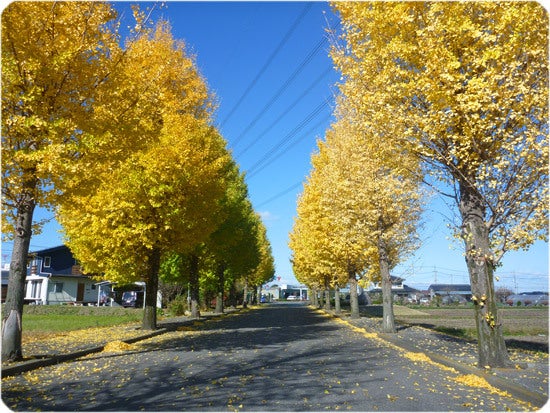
x,y
177,306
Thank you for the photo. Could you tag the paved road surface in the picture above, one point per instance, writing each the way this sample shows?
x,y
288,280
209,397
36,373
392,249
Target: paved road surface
x,y
282,357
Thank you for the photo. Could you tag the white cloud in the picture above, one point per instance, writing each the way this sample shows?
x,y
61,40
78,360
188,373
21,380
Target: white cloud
x,y
267,216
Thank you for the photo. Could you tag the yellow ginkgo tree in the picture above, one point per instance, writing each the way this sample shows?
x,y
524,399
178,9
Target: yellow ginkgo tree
x,y
56,59
162,200
359,210
164,197
309,240
264,271
374,202
467,83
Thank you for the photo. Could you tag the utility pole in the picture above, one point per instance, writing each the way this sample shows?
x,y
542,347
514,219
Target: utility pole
x,y
435,275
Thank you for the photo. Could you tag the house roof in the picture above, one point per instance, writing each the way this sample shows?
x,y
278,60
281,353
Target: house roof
x,y
50,250
405,289
450,287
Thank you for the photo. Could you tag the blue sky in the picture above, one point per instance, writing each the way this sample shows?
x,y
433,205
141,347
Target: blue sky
x,y
268,65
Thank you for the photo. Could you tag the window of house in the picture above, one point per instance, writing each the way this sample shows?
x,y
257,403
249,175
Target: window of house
x,y
58,287
47,262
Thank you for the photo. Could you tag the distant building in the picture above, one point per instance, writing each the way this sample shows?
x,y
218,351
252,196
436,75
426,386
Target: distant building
x,y
398,288
272,291
298,291
442,290
5,277
55,277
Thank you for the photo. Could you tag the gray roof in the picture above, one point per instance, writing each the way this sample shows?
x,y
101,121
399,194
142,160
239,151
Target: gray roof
x,y
405,289
448,288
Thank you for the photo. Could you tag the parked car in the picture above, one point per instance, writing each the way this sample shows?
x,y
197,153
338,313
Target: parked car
x,y
292,298
132,299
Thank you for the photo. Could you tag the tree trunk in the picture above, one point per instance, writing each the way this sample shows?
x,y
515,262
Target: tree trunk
x,y
388,323
313,297
353,299
194,285
479,259
321,298
151,291
233,295
13,307
221,287
327,296
337,308
245,293
254,298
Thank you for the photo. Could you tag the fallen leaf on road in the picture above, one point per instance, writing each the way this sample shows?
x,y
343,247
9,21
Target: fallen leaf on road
x,y
115,346
475,381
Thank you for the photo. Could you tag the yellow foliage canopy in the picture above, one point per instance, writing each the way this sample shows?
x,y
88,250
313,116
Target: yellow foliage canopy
x,y
54,59
466,87
161,195
357,193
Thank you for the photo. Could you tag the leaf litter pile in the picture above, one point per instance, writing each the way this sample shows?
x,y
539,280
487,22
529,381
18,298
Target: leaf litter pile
x,y
34,346
118,346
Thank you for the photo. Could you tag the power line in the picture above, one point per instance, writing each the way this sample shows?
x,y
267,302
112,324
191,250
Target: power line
x,y
295,142
258,165
280,194
279,92
286,111
268,62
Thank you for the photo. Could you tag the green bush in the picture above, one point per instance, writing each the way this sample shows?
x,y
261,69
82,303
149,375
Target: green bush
x,y
177,306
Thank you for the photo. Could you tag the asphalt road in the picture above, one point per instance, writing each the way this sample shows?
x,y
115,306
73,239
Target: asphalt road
x,y
282,357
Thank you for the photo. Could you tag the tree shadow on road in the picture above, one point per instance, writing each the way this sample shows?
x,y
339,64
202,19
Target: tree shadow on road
x,y
283,323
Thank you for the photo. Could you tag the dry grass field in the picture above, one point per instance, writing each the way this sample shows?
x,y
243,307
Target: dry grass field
x,y
524,321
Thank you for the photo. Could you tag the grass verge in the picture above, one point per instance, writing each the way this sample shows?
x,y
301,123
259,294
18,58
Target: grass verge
x,y
56,319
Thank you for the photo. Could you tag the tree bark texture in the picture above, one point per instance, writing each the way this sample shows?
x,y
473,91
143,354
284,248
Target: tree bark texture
x,y
328,306
12,311
353,299
479,259
321,298
388,323
337,307
313,298
221,286
245,293
151,291
194,285
233,295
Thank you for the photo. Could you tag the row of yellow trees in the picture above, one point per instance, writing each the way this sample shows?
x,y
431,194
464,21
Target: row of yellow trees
x,y
118,141
454,95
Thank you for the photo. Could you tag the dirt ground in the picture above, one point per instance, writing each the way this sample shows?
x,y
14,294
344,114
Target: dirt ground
x,y
517,322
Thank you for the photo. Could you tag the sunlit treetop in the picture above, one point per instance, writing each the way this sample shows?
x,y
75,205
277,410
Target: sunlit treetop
x,y
467,83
